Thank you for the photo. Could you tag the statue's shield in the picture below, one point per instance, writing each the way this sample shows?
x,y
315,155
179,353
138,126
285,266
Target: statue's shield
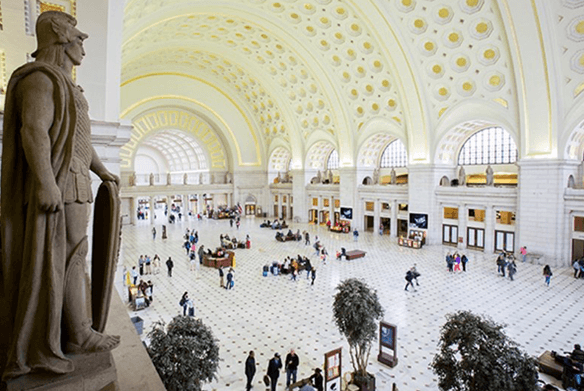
x,y
105,251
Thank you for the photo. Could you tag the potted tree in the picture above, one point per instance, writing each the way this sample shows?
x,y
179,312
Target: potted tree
x,y
185,355
356,311
475,355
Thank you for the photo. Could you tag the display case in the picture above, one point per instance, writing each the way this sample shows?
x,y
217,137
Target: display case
x,y
415,239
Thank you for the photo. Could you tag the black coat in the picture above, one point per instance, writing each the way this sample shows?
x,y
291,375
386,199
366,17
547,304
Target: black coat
x,y
274,367
250,367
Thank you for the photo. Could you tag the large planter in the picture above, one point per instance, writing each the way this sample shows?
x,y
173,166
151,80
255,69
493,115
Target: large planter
x,y
365,383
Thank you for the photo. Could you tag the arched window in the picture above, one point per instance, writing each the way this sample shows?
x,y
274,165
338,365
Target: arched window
x,y
488,146
394,155
333,160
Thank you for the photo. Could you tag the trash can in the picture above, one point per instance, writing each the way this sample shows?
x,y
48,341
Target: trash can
x,y
138,324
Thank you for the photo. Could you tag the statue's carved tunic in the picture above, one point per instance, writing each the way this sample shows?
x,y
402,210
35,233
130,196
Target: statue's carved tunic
x,y
79,182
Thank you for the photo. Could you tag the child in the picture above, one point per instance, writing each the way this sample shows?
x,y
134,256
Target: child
x,y
547,272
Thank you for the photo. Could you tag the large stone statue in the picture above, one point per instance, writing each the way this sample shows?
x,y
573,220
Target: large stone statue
x,y
461,176
46,191
185,179
200,178
490,176
375,176
132,179
151,179
393,179
168,179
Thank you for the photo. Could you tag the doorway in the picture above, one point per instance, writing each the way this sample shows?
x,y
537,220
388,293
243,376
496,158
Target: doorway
x,y
284,212
386,224
313,216
402,228
577,249
368,224
504,241
450,234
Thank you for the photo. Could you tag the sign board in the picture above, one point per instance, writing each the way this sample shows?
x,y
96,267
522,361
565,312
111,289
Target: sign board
x,y
387,344
332,370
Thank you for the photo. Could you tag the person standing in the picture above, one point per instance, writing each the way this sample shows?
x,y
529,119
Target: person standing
x,y
576,267
355,235
183,302
221,275
463,260
292,362
141,264
148,262
547,272
134,275
250,369
274,366
313,276
415,274
237,223
201,252
169,266
153,233
317,379
306,238
523,253
229,283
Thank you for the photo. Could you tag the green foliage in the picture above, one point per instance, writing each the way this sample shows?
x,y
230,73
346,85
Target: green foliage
x,y
356,310
475,355
185,355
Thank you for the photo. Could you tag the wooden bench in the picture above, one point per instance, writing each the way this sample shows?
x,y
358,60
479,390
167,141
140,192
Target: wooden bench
x,y
547,364
354,254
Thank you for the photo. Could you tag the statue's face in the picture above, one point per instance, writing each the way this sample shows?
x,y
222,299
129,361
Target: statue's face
x,y
74,49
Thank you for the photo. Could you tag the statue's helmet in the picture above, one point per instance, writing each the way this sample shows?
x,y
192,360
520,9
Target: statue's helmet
x,y
56,28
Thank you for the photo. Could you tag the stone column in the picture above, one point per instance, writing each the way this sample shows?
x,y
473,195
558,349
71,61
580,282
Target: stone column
x,y
348,179
376,216
489,230
133,210
462,217
151,210
299,193
393,219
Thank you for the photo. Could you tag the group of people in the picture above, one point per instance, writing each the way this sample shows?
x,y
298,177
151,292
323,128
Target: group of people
x,y
289,236
145,266
164,234
573,368
313,383
276,224
292,266
230,278
233,220
232,243
506,263
187,305
455,261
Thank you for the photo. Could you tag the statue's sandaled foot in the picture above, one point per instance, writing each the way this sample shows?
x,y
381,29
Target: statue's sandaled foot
x,y
94,343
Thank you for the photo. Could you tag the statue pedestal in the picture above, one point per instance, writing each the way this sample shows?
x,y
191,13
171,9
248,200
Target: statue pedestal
x,y
93,372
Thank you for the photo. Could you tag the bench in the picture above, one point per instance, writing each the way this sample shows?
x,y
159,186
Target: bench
x,y
354,254
547,364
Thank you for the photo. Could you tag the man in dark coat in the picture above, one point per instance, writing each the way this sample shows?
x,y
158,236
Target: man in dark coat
x,y
169,265
274,367
250,369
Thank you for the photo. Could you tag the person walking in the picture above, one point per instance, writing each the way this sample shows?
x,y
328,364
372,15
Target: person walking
x,y
547,272
313,275
291,366
237,223
274,366
523,253
230,281
511,269
141,264
169,266
250,369
317,379
153,233
221,275
415,274
148,263
576,267
409,279
355,235
306,238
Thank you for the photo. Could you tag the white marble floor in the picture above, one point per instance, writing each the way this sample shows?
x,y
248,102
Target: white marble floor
x,y
274,314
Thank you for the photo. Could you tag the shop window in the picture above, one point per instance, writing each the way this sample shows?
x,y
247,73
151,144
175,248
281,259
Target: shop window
x,y
451,213
403,207
315,202
369,206
275,199
284,198
505,217
326,202
337,204
476,215
385,207
579,224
